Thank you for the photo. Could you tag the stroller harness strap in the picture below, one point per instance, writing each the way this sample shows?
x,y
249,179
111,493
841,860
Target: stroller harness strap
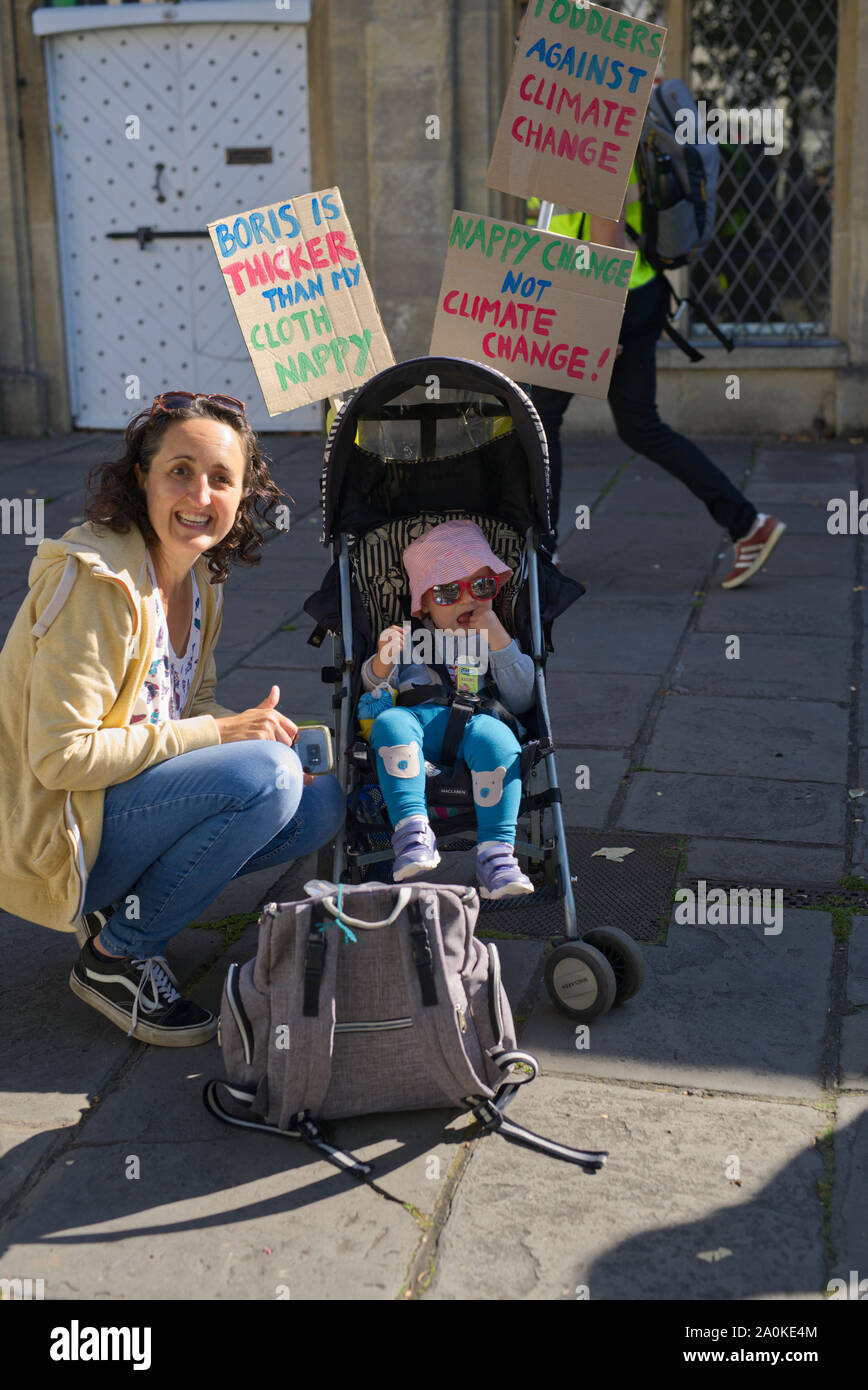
x,y
463,706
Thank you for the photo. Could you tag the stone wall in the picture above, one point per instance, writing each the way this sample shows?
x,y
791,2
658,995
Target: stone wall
x,y
379,70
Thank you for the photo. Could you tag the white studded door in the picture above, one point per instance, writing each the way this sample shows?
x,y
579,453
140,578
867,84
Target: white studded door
x,y
157,131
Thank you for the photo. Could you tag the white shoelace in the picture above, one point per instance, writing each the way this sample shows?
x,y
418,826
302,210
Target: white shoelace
x,y
156,973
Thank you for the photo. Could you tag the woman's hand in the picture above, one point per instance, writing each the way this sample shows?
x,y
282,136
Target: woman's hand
x,y
389,645
265,721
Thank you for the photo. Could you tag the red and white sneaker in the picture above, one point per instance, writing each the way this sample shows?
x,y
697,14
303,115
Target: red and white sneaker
x,y
752,551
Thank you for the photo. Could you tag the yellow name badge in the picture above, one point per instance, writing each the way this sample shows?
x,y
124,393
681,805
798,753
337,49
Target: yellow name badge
x,y
467,679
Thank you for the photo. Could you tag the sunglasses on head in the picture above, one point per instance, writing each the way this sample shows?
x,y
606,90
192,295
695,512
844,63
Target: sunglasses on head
x,y
484,588
179,400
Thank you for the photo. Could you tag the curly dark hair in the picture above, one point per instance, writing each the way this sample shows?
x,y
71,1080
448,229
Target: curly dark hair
x,y
118,501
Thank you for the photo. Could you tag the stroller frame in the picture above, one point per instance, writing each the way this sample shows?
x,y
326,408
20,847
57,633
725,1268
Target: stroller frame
x,y
552,853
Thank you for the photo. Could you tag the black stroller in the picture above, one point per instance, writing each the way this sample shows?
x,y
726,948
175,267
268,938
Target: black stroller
x,y
402,452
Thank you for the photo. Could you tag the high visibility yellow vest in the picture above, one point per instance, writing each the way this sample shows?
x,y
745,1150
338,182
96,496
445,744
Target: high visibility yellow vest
x,y
573,224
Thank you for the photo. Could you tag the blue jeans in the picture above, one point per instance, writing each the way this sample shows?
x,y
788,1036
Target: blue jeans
x,y
180,831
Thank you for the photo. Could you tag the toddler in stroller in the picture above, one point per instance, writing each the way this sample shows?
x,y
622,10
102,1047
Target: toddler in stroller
x,y
431,441
454,578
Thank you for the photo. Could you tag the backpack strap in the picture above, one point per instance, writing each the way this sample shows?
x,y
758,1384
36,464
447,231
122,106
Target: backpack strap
x,y
489,1115
301,1127
58,599
699,313
304,995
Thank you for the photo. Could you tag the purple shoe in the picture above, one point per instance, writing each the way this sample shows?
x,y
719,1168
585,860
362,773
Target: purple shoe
x,y
415,848
498,872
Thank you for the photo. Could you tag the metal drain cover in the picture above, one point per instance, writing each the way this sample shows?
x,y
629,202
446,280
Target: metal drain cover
x,y
631,890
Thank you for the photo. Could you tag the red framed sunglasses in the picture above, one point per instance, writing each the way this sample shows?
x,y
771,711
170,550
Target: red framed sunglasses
x,y
484,588
179,400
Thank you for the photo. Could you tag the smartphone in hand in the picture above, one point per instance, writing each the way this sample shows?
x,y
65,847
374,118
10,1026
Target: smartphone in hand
x,y
313,744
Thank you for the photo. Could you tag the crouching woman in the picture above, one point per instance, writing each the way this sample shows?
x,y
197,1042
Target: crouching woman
x,y
129,797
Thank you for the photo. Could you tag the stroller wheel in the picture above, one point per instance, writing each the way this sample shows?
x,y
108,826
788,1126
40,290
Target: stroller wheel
x,y
623,955
580,981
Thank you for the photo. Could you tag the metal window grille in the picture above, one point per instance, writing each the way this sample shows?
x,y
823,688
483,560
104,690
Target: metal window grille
x,y
766,272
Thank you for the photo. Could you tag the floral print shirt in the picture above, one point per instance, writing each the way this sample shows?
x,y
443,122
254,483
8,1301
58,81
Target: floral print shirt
x,y
167,684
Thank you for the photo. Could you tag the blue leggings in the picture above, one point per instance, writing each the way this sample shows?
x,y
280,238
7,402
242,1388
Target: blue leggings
x,y
404,737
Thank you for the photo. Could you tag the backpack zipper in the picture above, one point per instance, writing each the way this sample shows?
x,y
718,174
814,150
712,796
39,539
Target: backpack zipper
x,y
373,1027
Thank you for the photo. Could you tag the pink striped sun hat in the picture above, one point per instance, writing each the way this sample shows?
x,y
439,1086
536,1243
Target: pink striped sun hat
x,y
453,550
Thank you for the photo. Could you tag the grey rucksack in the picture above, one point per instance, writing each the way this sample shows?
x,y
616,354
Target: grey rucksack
x,y
678,189
677,179
371,999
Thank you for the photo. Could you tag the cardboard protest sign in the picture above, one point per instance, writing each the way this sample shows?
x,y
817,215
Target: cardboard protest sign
x,y
538,307
303,301
574,107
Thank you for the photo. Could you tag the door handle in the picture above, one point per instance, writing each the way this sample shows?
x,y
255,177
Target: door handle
x,y
145,234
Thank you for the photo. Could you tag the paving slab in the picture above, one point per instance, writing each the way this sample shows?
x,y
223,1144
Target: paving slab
x,y
656,492
302,694
735,807
820,609
638,584
805,465
857,969
854,1051
589,806
849,1207
252,616
289,647
608,711
44,1080
796,740
775,497
756,861
634,1230
18,449
801,518
771,666
240,1217
616,637
615,541
10,602
725,1008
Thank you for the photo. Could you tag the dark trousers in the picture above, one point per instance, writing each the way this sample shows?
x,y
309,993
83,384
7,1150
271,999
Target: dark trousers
x,y
633,402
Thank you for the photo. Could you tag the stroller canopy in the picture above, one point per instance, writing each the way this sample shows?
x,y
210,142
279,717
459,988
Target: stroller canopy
x,y
435,434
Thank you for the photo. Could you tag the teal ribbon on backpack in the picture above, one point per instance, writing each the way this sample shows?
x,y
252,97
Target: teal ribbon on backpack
x,y
337,922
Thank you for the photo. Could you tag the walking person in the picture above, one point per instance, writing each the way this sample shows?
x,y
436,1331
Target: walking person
x,y
633,391
633,400
122,781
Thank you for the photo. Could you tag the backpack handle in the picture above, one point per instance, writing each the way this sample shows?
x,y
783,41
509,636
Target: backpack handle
x,y
404,895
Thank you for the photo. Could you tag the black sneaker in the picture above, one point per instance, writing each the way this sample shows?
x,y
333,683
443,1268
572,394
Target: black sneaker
x,y
90,924
142,997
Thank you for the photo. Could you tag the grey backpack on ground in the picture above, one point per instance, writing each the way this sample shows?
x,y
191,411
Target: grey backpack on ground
x,y
371,999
